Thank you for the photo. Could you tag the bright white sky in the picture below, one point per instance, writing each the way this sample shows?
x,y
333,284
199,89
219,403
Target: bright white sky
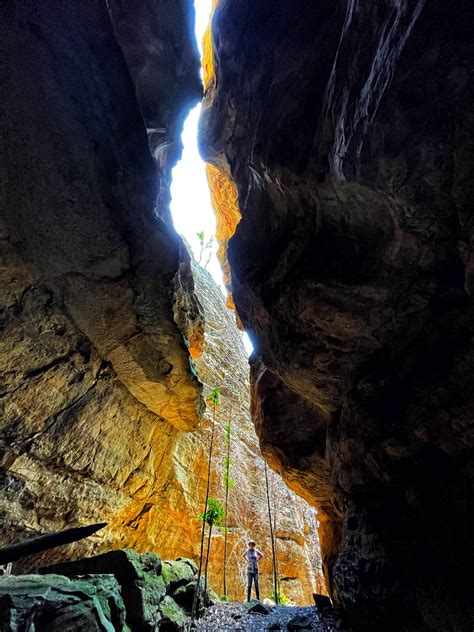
x,y
190,199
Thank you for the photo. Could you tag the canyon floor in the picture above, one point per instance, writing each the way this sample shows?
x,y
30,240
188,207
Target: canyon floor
x,y
235,617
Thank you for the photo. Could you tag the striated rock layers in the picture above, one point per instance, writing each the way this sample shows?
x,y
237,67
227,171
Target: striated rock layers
x,y
348,131
224,364
100,399
98,310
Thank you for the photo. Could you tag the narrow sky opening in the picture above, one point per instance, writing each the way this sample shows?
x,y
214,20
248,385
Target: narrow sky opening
x,y
191,208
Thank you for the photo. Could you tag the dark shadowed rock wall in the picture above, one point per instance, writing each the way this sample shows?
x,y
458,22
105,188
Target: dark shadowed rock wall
x,y
347,128
99,315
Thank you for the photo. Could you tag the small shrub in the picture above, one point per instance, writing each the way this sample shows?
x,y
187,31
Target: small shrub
x,y
214,514
282,598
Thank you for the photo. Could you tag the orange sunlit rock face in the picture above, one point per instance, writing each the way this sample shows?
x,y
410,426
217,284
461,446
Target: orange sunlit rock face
x,y
224,203
222,188
207,57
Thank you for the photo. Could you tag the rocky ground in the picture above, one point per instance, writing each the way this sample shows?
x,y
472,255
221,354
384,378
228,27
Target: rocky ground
x,y
253,617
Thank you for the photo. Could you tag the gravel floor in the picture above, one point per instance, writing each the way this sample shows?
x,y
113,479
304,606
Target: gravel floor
x,y
233,617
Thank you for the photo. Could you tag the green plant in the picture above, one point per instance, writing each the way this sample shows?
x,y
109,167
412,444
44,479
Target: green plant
x,y
213,517
278,597
214,398
213,514
204,245
225,598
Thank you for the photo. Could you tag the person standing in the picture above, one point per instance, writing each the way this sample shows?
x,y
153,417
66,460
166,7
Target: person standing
x,y
253,556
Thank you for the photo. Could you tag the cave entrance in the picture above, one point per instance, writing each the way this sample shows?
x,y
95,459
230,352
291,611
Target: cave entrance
x,y
224,364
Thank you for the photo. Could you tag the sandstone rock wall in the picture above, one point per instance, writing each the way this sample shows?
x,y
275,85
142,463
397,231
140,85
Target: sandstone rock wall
x,y
98,308
224,364
100,399
347,129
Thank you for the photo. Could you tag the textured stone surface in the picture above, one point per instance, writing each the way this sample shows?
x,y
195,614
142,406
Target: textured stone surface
x,y
54,602
347,129
84,220
224,364
114,592
98,305
147,586
97,302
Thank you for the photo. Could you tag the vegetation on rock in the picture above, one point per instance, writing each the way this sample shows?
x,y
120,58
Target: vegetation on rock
x,y
120,590
205,247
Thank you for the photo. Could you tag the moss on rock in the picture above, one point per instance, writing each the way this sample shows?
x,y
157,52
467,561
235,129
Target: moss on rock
x,y
174,617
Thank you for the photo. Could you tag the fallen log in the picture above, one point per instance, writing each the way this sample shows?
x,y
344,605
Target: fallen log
x,y
47,541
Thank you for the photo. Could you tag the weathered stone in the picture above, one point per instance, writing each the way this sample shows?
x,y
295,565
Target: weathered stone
x,y
224,363
191,563
299,622
174,618
257,607
97,299
53,602
184,597
126,565
212,596
176,574
322,601
97,295
139,576
352,271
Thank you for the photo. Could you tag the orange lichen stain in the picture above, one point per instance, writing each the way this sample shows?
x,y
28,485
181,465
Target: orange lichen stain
x,y
207,57
224,200
230,302
195,351
226,210
223,189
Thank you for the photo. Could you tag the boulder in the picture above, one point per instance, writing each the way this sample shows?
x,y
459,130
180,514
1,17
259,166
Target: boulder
x,y
184,596
257,607
321,601
126,565
212,597
173,616
176,574
54,602
139,576
299,622
154,592
189,562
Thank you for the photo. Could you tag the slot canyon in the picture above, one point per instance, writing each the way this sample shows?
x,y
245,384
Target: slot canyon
x,y
338,138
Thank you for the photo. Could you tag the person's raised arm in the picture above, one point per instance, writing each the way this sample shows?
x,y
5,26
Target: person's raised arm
x,y
245,555
259,555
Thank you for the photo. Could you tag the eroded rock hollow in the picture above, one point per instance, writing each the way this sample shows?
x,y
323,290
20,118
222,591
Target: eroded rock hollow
x,y
347,130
